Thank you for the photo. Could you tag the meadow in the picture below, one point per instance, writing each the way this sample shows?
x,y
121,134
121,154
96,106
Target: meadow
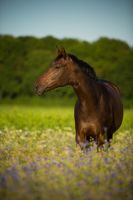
x,y
39,158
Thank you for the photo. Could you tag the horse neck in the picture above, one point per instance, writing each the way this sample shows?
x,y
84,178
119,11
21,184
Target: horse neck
x,y
87,93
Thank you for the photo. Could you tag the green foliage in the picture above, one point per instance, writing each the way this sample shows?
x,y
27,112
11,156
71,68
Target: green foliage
x,y
23,59
39,158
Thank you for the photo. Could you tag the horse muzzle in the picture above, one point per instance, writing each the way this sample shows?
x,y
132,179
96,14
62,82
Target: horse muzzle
x,y
39,90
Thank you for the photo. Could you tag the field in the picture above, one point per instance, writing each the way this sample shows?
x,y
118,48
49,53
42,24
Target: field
x,y
39,158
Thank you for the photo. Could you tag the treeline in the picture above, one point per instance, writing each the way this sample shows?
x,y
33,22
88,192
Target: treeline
x,y
22,59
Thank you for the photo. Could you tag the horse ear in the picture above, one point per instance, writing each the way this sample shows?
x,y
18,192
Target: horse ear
x,y
58,50
61,52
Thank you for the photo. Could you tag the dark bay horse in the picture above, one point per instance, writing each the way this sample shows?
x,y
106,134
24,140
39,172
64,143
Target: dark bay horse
x,y
98,111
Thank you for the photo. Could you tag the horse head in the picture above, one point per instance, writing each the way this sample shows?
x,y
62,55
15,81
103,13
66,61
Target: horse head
x,y
60,72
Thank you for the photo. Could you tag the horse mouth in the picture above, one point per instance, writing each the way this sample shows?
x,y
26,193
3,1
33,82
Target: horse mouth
x,y
38,90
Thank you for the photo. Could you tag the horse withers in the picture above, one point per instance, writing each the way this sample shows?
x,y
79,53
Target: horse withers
x,y
98,110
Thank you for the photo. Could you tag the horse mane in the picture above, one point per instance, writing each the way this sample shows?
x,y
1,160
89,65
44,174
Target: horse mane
x,y
85,67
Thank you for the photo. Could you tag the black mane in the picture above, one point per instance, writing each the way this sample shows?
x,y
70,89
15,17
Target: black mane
x,y
85,67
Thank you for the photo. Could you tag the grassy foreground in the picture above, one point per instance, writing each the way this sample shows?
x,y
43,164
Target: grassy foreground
x,y
39,158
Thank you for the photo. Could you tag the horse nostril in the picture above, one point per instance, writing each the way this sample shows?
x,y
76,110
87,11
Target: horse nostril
x,y
38,90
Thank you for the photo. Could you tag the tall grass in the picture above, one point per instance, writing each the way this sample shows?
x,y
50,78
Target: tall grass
x,y
39,158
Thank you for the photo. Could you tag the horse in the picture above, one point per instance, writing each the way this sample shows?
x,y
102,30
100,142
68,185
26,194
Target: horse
x,y
98,111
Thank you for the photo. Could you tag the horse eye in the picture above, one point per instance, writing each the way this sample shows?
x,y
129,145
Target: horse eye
x,y
57,66
60,66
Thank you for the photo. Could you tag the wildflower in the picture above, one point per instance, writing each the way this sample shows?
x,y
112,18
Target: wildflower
x,y
113,175
27,170
3,182
106,160
96,180
131,184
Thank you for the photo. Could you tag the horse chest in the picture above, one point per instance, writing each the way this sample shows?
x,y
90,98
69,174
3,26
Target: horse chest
x,y
86,120
90,126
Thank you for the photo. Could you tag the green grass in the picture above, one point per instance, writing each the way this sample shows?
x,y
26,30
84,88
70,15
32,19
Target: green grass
x,y
43,117
39,158
35,118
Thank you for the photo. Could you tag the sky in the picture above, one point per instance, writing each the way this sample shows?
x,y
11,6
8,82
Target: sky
x,y
81,19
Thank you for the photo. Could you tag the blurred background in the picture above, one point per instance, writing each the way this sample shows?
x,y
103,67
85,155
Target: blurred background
x,y
98,32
